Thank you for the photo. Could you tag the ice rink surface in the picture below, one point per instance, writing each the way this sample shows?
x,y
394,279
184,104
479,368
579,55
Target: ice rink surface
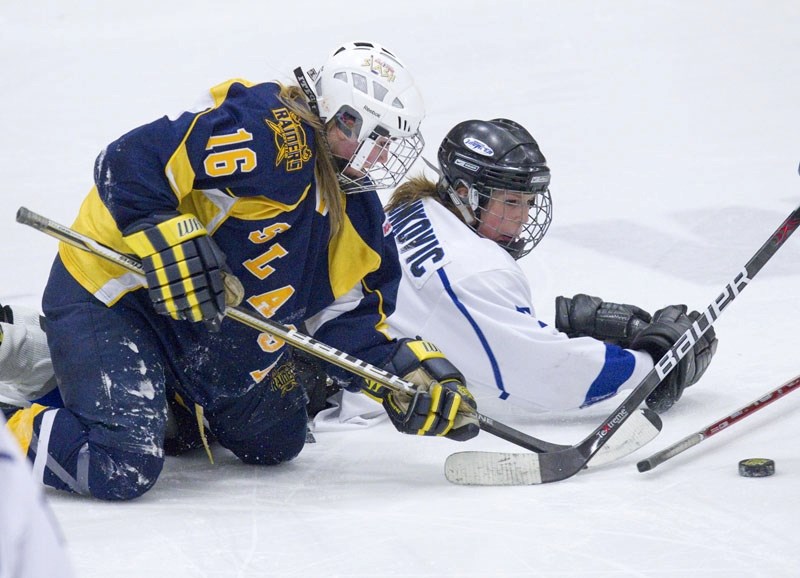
x,y
672,132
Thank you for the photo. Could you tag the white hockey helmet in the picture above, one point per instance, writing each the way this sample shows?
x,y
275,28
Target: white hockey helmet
x,y
371,96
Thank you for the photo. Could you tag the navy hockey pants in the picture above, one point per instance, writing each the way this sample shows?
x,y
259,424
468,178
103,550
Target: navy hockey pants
x,y
114,367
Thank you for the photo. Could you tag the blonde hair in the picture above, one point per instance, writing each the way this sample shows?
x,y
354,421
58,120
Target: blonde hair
x,y
416,188
324,168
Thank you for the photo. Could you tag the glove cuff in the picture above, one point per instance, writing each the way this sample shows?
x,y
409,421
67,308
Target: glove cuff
x,y
166,234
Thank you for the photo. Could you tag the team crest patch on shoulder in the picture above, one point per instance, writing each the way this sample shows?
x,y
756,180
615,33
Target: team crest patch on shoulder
x,y
290,139
387,226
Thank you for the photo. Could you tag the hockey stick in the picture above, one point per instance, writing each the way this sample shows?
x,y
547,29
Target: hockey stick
x,y
716,427
648,426
489,469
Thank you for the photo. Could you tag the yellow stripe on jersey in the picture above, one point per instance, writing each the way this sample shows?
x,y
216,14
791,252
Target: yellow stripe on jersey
x,y
92,272
211,207
259,208
350,258
21,425
220,92
179,171
381,325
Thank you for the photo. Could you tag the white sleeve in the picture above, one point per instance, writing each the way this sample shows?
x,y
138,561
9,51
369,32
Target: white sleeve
x,y
30,544
485,326
25,364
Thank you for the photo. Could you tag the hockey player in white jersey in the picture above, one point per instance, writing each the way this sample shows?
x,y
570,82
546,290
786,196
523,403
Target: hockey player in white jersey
x,y
458,241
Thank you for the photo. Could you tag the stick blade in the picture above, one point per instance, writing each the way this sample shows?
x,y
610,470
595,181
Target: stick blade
x,y
493,469
477,468
638,430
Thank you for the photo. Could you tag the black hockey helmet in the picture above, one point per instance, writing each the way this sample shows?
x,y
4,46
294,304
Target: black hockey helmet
x,y
499,154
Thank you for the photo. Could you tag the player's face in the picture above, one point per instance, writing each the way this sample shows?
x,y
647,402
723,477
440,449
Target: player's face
x,y
504,215
344,147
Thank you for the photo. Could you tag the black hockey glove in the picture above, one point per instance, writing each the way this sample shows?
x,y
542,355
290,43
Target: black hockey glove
x,y
587,316
442,404
667,327
183,267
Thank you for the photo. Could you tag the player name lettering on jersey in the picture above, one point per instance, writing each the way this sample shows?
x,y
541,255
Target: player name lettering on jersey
x,y
419,249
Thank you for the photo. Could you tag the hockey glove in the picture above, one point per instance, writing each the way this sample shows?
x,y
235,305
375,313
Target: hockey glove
x,y
183,266
667,327
441,405
587,316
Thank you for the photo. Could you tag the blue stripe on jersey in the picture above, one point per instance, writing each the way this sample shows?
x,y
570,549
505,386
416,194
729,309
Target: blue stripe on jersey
x,y
618,367
498,378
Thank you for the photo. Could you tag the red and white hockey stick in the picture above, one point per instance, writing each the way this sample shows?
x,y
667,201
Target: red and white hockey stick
x,y
716,427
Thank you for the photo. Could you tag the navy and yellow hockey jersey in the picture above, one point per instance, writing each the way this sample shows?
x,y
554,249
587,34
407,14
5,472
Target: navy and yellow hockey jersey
x,y
243,163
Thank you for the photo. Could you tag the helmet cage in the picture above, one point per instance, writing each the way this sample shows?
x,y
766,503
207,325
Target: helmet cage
x,y
482,181
531,232
381,161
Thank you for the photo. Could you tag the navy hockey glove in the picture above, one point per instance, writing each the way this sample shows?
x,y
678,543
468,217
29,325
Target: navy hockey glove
x,y
587,316
667,327
183,266
441,406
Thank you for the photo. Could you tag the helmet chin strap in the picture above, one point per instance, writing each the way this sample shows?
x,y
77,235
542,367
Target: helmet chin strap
x,y
302,81
311,96
464,209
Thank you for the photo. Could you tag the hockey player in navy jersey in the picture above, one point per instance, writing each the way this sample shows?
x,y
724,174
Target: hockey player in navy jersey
x,y
239,199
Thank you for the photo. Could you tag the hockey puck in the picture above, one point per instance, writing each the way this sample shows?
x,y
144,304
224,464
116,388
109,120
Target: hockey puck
x,y
756,468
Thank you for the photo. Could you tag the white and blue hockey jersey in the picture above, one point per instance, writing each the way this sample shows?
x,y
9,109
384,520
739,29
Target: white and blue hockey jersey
x,y
467,295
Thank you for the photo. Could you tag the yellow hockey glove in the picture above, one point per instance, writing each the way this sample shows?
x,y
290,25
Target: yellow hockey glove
x,y
441,405
183,266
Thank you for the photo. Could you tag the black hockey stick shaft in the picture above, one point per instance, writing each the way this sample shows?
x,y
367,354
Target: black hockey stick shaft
x,y
692,440
559,465
289,335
